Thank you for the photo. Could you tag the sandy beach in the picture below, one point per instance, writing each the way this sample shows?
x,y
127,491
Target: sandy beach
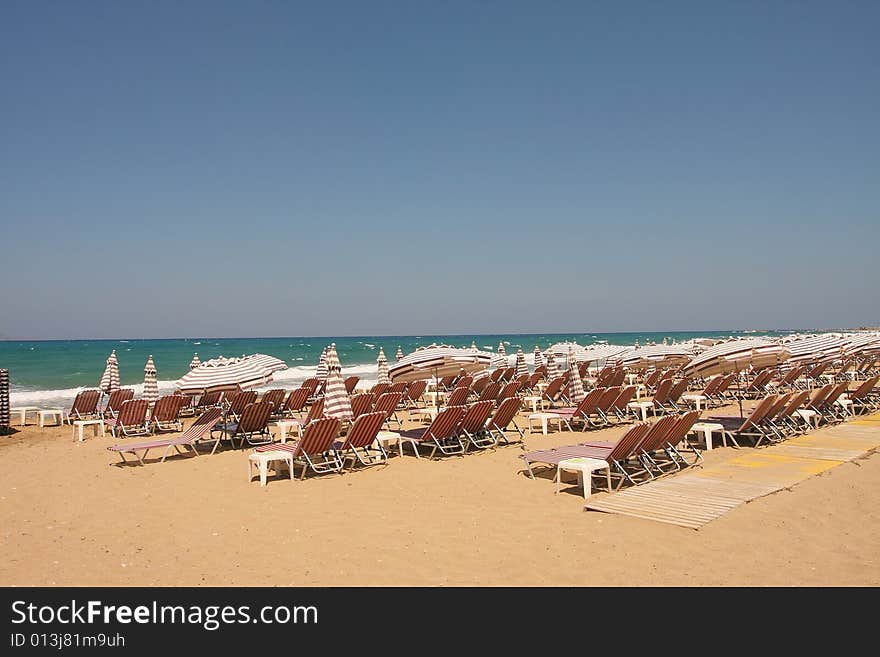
x,y
69,517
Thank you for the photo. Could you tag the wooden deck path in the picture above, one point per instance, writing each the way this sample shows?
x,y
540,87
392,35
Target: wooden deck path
x,y
692,499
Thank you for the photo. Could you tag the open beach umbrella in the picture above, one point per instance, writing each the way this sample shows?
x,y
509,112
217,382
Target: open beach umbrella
x,y
736,356
862,345
321,372
336,400
195,362
110,378
539,360
520,363
501,349
656,355
815,348
399,353
438,361
575,385
219,374
383,367
151,387
600,352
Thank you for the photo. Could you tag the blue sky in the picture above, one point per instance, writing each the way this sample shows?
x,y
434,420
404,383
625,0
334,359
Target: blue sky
x,y
349,168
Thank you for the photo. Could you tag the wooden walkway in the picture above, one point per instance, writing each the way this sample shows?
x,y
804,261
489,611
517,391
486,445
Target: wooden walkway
x,y
692,499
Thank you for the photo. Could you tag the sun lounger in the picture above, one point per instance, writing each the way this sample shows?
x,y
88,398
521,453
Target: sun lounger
x,y
84,407
360,443
502,418
439,436
131,419
251,426
473,425
314,451
115,401
188,439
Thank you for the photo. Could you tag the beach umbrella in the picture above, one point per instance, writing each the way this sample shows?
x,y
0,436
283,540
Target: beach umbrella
x,y
474,346
815,348
736,356
219,374
656,355
336,400
195,362
321,372
399,353
862,345
110,378
552,369
520,363
575,385
600,352
501,349
438,361
539,361
383,367
151,387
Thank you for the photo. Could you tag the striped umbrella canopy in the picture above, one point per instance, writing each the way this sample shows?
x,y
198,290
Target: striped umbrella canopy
x,y
552,369
321,372
863,345
383,367
575,385
195,362
221,373
501,349
151,387
438,361
656,355
539,360
562,348
520,363
336,400
399,353
600,352
735,356
815,348
110,378
474,346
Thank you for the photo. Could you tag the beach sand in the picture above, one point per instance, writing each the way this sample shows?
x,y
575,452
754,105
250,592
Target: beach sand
x,y
69,517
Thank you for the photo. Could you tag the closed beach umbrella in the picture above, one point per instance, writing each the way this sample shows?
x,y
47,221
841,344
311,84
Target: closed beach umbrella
x,y
520,364
383,367
539,361
399,353
735,356
438,361
474,346
321,372
501,349
220,374
552,369
336,400
575,385
151,387
110,378
195,362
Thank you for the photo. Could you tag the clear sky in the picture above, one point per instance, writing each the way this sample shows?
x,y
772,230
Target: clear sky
x,y
363,168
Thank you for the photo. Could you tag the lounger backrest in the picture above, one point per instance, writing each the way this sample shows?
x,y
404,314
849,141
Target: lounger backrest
x,y
316,410
818,370
652,377
202,424
779,405
446,382
602,377
711,387
661,394
508,373
590,403
361,404
759,413
659,433
726,382
522,380
350,383
624,398
388,402
836,392
132,412
445,424
416,389
275,396
480,384
167,408
254,417
820,395
475,417
490,392
678,389
631,440
505,413
798,400
681,428
496,375
618,378
118,396
240,400
398,387
542,371
311,383
318,436
297,399
364,430
533,379
554,388
509,390
86,402
607,399
380,388
457,397
866,387
210,399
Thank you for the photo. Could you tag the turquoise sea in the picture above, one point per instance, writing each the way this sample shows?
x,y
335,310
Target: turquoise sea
x,y
49,373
